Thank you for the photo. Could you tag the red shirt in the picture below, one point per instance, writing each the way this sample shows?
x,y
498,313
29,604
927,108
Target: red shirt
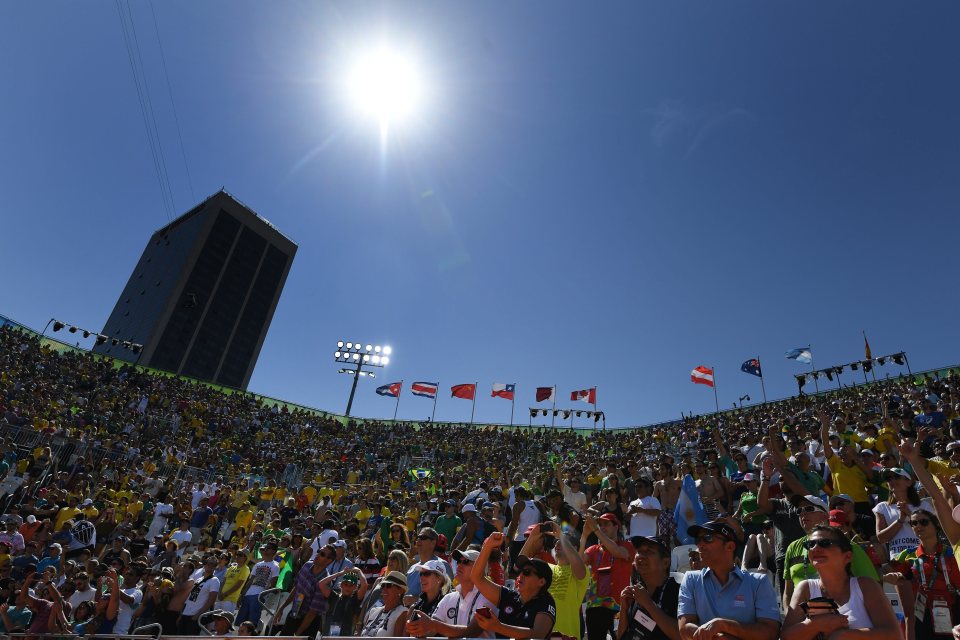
x,y
610,574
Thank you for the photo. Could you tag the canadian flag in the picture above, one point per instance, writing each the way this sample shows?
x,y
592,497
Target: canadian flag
x,y
702,375
587,395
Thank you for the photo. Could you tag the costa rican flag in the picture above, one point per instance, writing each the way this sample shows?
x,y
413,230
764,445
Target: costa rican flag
x,y
425,389
702,375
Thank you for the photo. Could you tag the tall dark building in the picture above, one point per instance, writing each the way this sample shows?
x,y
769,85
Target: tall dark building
x,y
202,295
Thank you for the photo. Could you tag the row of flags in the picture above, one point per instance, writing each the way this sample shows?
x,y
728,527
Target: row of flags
x,y
704,374
505,390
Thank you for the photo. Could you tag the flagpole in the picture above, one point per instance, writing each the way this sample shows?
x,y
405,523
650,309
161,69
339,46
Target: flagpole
x,y
716,401
513,401
395,408
436,393
816,385
762,387
595,409
476,385
553,414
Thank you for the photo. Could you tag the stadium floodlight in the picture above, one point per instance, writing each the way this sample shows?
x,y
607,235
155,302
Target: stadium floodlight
x,y
58,325
86,334
101,339
72,329
387,351
357,355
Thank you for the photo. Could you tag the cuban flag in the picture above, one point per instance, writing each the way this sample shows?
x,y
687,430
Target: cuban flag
x,y
425,389
392,389
803,354
689,509
502,390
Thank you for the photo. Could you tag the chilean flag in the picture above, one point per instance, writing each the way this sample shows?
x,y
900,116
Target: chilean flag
x,y
501,390
587,395
392,389
425,389
465,391
702,375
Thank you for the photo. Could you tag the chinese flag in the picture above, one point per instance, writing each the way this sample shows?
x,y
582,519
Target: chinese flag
x,y
465,391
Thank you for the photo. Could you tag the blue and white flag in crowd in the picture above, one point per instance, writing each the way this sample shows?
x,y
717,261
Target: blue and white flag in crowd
x,y
689,509
803,354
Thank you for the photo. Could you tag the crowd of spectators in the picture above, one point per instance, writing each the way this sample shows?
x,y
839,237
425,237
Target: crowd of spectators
x,y
129,498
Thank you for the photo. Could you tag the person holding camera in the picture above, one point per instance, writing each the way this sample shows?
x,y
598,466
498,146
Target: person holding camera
x,y
528,611
836,601
610,562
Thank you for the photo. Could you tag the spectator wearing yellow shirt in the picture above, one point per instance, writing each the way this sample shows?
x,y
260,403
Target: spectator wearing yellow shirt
x,y
66,513
851,473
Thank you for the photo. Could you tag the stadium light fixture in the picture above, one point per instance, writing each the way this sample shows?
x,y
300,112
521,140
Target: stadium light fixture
x,y
58,325
72,329
357,355
387,351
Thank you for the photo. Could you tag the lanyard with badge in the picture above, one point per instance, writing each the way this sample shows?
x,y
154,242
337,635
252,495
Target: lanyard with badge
x,y
456,609
939,606
641,616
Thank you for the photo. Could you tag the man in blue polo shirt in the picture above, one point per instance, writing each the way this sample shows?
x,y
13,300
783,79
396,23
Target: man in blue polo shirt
x,y
721,598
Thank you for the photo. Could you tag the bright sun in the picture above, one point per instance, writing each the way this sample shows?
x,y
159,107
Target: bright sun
x,y
386,85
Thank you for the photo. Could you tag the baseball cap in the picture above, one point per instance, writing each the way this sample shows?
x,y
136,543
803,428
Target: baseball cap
x,y
340,544
434,566
897,471
86,503
223,615
470,555
639,540
469,508
713,526
747,477
487,505
540,568
953,445
609,517
814,500
351,578
841,497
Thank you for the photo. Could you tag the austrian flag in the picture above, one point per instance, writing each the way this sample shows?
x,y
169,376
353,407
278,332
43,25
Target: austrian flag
x,y
702,375
587,395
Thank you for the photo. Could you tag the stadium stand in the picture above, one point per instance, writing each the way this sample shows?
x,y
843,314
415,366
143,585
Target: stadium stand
x,y
130,497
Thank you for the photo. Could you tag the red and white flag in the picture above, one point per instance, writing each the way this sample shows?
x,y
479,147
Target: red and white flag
x,y
548,394
702,375
587,395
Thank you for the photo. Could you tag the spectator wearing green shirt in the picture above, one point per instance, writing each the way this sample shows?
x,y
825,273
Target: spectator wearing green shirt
x,y
813,512
448,522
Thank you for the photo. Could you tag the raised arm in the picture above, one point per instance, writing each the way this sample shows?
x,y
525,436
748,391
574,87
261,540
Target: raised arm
x,y
825,434
944,511
486,586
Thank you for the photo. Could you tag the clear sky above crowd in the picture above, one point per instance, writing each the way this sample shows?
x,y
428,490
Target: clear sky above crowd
x,y
584,195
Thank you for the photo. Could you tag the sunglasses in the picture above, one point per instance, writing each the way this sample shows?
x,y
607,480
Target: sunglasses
x,y
527,571
425,538
919,523
425,574
465,562
710,537
823,543
810,509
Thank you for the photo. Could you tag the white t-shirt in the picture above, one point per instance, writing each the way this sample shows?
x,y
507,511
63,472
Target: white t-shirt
x,y
198,495
199,593
182,538
262,576
642,524
576,499
81,596
125,611
454,609
905,538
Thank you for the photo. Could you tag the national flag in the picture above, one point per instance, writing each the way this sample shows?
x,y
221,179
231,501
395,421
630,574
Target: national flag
x,y
689,510
502,390
548,394
702,375
587,395
752,367
420,473
866,347
802,354
425,389
392,389
465,391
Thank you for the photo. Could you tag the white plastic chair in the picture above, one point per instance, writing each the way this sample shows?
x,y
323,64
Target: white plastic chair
x,y
680,558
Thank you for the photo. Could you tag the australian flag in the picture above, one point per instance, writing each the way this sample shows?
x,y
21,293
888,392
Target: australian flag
x,y
752,367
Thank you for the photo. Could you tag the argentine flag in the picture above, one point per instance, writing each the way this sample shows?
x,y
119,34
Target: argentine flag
x,y
689,509
802,354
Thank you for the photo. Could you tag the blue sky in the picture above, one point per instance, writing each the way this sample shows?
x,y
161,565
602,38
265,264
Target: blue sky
x,y
593,195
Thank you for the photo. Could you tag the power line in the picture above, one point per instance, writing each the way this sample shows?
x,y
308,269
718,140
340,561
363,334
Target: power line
x,y
173,105
165,198
153,117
